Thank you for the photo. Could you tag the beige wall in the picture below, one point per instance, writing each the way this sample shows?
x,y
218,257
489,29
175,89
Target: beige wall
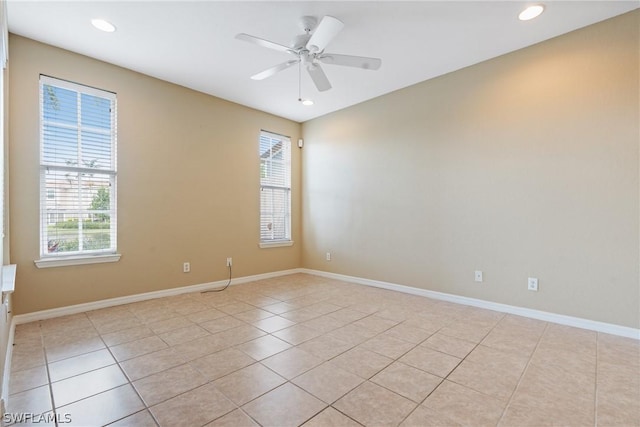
x,y
524,165
188,184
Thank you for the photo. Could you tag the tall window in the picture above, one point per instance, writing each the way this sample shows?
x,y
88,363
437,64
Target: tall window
x,y
275,188
77,170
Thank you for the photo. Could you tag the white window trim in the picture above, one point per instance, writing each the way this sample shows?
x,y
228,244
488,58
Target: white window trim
x,y
76,260
87,257
275,244
266,244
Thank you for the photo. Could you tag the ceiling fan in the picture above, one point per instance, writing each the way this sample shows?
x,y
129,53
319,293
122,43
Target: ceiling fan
x,y
308,48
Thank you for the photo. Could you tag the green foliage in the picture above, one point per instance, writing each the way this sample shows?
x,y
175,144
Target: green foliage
x,y
95,241
72,224
101,201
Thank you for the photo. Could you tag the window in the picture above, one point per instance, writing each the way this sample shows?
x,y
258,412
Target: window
x,y
275,189
77,172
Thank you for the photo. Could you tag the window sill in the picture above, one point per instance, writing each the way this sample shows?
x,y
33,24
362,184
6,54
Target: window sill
x,y
76,260
276,244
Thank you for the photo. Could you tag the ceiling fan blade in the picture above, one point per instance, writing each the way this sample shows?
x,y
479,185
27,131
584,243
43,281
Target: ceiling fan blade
x,y
328,28
273,70
351,61
319,77
263,42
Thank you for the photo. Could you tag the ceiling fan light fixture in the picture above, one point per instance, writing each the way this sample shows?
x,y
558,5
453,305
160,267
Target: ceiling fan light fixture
x,y
531,12
103,25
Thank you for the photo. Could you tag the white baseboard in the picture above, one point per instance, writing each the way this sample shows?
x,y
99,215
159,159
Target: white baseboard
x,y
95,305
577,322
561,319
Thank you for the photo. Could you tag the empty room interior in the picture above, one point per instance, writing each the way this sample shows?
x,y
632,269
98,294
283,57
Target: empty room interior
x,y
320,213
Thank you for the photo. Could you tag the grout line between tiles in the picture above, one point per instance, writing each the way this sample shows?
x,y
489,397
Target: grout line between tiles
x,y
522,375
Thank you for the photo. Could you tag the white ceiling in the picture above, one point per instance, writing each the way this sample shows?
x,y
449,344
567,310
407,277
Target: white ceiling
x,y
192,43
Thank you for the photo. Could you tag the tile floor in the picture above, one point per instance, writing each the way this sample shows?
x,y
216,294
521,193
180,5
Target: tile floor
x,y
305,350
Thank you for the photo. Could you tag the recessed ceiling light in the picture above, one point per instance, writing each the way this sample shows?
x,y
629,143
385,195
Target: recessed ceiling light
x,y
103,25
531,12
307,102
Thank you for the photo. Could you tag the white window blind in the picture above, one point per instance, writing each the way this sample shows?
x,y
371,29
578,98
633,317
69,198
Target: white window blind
x,y
77,170
275,188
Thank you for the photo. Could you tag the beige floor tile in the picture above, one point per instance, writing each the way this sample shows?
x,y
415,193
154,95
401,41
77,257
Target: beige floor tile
x,y
407,381
236,307
370,404
465,332
331,418
425,417
325,347
87,384
465,406
431,361
34,401
236,418
137,348
622,411
222,363
328,382
387,346
512,340
123,321
273,324
239,335
352,334
152,363
491,380
618,392
296,334
324,324
127,335
65,324
263,347
494,357
554,366
193,408
206,315
301,315
408,333
279,308
254,315
222,324
248,383
64,338
27,355
347,315
200,347
164,385
361,362
59,352
292,362
103,408
285,406
520,413
139,419
375,323
324,307
182,335
28,379
449,345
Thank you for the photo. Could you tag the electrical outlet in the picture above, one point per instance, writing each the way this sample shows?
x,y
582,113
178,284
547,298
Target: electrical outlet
x,y
478,276
229,262
186,267
532,284
328,256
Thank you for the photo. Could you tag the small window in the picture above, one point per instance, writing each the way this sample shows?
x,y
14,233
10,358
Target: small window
x,y
77,170
275,188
